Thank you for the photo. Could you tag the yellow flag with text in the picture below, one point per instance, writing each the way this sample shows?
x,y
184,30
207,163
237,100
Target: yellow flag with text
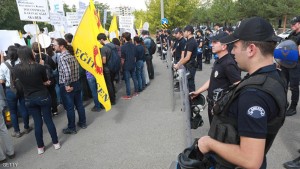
x,y
113,29
88,55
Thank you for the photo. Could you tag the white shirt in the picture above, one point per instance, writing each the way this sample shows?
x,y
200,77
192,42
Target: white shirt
x,y
4,72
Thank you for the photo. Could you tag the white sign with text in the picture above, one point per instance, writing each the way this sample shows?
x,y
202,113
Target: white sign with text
x,y
126,22
33,10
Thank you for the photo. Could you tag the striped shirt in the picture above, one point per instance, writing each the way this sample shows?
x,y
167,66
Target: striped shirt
x,y
68,69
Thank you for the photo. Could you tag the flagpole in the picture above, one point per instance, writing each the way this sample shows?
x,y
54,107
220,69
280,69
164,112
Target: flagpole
x,y
36,27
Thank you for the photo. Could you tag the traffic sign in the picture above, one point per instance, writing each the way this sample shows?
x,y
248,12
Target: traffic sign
x,y
164,21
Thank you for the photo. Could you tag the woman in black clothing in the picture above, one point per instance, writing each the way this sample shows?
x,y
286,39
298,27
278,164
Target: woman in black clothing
x,y
34,79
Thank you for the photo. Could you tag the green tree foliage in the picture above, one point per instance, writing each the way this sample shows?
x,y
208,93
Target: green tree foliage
x,y
9,16
178,12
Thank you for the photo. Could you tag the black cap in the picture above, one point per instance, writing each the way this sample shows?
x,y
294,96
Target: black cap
x,y
219,36
295,20
189,28
252,29
177,30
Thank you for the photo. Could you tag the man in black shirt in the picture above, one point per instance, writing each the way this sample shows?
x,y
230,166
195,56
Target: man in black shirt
x,y
224,73
189,57
178,48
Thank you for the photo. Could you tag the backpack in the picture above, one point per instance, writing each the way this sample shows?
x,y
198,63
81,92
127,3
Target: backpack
x,y
15,83
114,61
152,48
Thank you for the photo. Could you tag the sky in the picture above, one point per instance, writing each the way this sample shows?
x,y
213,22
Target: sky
x,y
137,4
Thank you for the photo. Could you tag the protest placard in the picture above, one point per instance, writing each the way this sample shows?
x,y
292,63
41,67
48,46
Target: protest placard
x,y
126,22
33,10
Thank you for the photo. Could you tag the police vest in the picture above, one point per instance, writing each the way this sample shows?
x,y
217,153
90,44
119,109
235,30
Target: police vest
x,y
294,37
224,128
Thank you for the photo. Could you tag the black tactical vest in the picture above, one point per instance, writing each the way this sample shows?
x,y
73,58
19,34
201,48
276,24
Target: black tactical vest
x,y
224,128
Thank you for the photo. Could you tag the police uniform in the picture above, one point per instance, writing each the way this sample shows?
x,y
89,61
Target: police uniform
x,y
225,72
191,46
179,46
292,77
199,39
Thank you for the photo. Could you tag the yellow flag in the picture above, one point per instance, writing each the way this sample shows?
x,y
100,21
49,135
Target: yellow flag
x,y
140,28
113,29
20,34
88,55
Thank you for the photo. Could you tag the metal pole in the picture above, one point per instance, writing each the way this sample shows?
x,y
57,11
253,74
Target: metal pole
x,y
162,9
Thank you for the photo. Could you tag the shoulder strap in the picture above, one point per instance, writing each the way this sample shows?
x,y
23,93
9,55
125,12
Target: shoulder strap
x,y
8,65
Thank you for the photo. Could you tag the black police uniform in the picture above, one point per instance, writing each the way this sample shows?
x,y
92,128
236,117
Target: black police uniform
x,y
179,46
191,46
225,72
254,113
292,77
199,39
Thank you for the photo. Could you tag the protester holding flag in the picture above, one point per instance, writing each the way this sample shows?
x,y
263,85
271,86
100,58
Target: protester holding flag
x,y
34,80
70,85
109,75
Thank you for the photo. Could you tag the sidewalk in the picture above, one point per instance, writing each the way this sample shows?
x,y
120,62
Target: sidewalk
x,y
141,133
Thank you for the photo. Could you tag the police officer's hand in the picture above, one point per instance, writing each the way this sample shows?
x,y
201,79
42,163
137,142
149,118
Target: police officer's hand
x,y
193,94
176,66
203,144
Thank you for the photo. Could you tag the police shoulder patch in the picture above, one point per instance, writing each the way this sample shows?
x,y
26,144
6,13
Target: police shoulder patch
x,y
256,112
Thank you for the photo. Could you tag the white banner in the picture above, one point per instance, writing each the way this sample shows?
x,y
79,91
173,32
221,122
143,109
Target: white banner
x,y
82,4
9,37
33,10
126,22
72,18
56,18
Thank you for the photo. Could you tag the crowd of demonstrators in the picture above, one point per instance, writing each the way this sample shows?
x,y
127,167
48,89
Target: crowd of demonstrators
x,y
225,73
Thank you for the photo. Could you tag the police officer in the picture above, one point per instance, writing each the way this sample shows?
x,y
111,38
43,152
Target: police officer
x,y
292,74
225,72
178,49
248,118
189,57
200,41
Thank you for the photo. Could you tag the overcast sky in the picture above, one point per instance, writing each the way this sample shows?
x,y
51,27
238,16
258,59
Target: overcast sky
x,y
137,4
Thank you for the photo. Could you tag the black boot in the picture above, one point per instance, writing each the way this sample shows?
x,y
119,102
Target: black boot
x,y
291,111
292,164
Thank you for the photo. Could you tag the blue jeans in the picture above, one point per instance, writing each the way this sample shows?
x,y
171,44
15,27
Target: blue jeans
x,y
40,108
93,87
140,75
12,102
71,99
127,74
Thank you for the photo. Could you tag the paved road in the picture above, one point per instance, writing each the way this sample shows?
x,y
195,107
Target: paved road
x,y
142,133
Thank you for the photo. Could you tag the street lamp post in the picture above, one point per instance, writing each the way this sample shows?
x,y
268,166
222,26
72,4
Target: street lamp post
x,y
162,9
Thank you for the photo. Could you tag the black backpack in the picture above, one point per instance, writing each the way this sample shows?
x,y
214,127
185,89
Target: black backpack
x,y
15,83
152,48
114,61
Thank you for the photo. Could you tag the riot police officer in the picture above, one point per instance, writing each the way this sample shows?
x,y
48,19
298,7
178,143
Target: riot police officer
x,y
292,74
247,119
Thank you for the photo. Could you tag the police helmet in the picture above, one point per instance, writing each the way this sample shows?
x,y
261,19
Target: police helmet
x,y
191,158
286,54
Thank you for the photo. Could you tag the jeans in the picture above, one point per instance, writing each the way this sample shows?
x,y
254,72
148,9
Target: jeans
x,y
93,86
71,99
40,108
127,74
292,77
53,95
140,75
12,102
6,140
150,67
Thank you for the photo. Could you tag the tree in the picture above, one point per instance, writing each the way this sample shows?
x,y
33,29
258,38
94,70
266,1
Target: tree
x,y
9,16
66,8
101,7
